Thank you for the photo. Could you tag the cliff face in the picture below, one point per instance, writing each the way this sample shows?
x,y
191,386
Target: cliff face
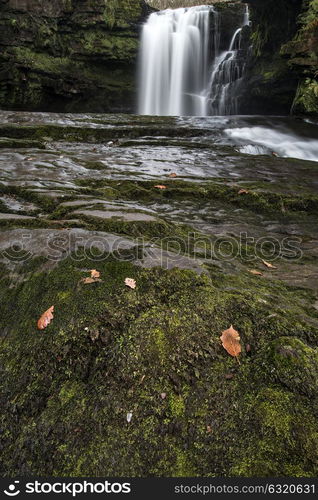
x,y
81,55
285,57
303,53
70,55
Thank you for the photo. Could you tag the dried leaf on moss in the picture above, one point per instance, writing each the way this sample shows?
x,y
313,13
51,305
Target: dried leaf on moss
x,y
46,318
231,341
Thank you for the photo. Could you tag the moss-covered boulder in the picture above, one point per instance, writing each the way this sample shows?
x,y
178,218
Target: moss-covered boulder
x,y
136,382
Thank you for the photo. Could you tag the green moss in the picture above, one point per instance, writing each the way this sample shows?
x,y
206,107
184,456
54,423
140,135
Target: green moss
x,y
84,58
257,198
122,13
66,391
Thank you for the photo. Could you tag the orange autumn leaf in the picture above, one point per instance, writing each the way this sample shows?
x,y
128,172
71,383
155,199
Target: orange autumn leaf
x,y
231,342
46,318
95,274
173,175
269,265
243,191
130,283
160,186
255,272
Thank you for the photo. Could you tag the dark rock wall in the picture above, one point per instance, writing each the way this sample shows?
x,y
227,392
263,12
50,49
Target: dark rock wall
x,y
69,55
282,70
81,55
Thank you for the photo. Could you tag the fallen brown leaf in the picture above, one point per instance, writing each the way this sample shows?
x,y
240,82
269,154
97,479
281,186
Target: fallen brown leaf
x,y
46,318
243,191
173,175
269,265
160,186
130,282
255,272
231,342
209,429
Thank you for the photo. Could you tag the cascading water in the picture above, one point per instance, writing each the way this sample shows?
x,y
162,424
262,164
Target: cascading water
x,y
182,71
175,53
227,75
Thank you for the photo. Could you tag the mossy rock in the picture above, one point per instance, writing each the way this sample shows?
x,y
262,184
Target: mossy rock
x,y
306,101
70,56
154,352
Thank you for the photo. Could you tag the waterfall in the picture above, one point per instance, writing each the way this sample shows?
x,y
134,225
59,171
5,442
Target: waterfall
x,y
181,69
227,75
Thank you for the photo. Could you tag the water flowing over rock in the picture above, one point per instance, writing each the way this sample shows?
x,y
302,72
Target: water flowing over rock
x,y
183,70
174,53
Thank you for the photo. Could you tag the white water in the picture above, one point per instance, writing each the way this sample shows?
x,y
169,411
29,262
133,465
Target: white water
x,y
227,75
282,143
182,72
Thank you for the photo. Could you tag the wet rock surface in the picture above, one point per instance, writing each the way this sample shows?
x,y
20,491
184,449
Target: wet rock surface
x,y
64,55
103,172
